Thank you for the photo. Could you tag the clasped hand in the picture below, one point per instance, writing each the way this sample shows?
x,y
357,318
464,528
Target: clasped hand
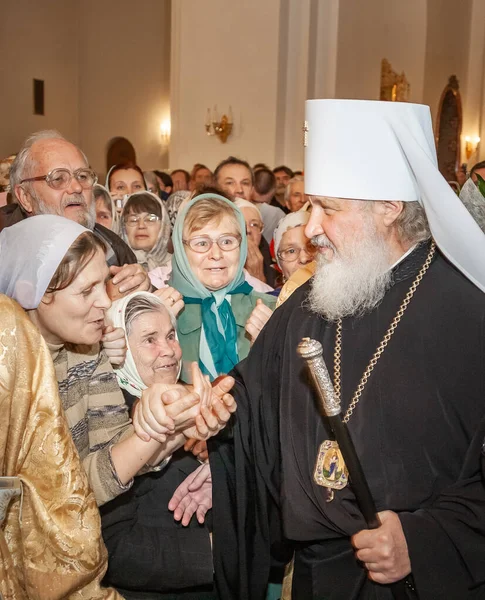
x,y
199,412
384,550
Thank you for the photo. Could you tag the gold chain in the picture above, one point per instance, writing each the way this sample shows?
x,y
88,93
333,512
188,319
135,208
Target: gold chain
x,y
382,346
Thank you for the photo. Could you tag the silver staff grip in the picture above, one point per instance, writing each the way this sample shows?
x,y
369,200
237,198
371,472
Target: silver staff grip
x,y
312,352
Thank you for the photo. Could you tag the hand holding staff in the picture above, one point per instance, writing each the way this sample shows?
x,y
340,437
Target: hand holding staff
x,y
312,352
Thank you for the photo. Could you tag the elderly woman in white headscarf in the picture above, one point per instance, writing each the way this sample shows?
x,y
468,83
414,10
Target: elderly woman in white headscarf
x,y
293,250
145,227
139,522
56,269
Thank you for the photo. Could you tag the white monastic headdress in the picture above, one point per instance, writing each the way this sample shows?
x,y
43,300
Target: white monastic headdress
x,y
370,150
30,252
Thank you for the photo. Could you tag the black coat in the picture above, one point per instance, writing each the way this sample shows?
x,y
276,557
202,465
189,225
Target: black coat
x,y
269,272
148,550
418,430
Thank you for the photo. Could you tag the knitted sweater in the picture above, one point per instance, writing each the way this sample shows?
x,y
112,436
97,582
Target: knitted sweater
x,y
96,413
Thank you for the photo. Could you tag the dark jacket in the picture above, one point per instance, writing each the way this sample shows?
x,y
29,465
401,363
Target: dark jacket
x,y
269,272
148,550
123,254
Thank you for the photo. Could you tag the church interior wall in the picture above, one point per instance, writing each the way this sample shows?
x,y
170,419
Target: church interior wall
x,y
447,46
124,78
376,29
226,55
38,40
112,69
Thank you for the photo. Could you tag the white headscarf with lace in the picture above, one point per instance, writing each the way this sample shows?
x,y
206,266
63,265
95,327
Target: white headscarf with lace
x,y
127,375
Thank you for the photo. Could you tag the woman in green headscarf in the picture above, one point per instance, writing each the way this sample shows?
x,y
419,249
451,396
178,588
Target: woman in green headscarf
x,y
223,314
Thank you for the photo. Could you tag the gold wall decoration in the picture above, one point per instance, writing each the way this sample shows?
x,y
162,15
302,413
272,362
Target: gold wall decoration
x,y
394,87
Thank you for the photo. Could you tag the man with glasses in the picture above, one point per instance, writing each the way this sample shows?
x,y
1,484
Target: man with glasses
x,y
52,176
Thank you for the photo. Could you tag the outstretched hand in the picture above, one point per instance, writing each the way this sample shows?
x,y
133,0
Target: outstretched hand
x,y
215,409
193,495
257,319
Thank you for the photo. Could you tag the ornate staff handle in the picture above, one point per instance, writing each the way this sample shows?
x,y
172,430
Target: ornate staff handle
x,y
312,352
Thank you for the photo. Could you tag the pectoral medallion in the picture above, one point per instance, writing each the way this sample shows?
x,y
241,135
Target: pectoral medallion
x,y
330,470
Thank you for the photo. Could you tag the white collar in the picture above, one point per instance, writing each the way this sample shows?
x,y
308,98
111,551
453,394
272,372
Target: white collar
x,y
400,259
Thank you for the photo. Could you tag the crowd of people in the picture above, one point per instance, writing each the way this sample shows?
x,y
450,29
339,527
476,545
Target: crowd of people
x,y
161,437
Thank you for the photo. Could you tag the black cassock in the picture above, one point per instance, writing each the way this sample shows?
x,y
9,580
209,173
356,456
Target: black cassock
x,y
418,430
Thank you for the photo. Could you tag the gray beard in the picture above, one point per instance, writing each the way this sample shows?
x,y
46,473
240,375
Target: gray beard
x,y
85,216
354,284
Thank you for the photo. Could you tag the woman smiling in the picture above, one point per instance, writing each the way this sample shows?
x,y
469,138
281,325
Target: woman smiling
x,y
223,314
56,269
139,524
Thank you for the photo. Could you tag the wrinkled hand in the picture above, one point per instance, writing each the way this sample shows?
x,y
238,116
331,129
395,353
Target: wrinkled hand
x,y
163,410
171,298
127,279
215,414
254,261
384,550
198,448
193,495
258,319
114,344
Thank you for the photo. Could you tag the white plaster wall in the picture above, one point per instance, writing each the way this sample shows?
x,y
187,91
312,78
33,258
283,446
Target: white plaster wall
x,y
106,67
294,64
38,40
224,53
124,74
375,29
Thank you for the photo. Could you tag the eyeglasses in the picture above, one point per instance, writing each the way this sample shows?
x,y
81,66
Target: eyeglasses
x,y
60,179
204,243
255,226
292,253
133,220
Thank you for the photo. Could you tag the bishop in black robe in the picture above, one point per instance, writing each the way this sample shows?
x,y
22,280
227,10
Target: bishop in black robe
x,y
418,430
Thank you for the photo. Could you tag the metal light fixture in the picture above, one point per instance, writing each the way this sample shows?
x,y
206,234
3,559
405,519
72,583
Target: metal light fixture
x,y
221,128
471,145
165,131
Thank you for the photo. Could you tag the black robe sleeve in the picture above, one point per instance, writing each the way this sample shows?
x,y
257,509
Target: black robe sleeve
x,y
446,541
248,537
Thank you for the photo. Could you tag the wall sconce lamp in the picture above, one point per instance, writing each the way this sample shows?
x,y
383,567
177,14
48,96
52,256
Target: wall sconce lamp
x,y
222,128
165,132
471,145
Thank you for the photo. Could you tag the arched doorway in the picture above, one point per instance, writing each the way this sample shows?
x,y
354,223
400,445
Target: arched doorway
x,y
120,150
448,130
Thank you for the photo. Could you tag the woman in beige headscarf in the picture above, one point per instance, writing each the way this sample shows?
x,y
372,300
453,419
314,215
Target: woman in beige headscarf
x,y
50,536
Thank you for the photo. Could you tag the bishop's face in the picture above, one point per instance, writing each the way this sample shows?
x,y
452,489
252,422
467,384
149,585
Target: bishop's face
x,y
353,256
341,221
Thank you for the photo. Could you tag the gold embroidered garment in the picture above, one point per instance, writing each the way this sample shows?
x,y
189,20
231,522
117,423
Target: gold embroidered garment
x,y
53,549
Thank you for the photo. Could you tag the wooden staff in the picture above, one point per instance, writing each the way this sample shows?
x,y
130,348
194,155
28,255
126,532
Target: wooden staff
x,y
312,352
